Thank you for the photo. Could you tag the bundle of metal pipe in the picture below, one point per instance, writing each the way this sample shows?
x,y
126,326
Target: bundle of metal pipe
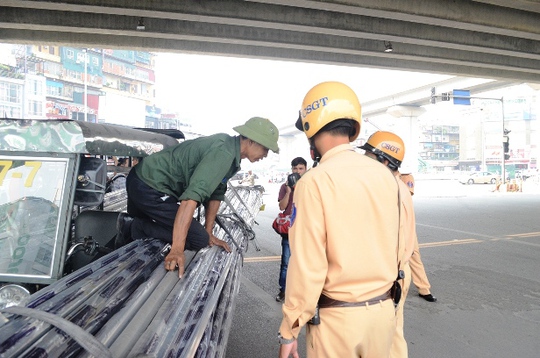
x,y
133,307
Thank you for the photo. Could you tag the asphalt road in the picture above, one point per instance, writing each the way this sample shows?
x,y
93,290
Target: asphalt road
x,y
481,250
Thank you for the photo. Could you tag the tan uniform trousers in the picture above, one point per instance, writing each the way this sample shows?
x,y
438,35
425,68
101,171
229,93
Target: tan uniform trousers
x,y
353,332
419,277
399,344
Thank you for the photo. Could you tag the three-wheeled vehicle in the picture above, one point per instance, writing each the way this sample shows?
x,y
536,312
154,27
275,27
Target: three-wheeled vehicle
x,y
56,214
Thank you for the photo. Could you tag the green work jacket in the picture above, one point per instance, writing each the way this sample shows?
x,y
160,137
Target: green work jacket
x,y
196,169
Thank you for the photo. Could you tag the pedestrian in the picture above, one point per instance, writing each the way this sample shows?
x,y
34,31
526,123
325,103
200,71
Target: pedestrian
x,y
344,238
389,149
418,271
249,179
165,188
285,199
497,185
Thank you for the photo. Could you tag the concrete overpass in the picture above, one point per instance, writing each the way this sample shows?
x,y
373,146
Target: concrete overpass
x,y
494,39
497,40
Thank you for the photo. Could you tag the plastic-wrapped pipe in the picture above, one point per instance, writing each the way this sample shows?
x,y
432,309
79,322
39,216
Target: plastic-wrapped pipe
x,y
123,330
175,321
215,336
68,295
93,306
132,306
192,323
98,308
214,293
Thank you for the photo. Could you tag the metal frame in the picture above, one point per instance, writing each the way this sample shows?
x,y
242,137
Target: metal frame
x,y
64,218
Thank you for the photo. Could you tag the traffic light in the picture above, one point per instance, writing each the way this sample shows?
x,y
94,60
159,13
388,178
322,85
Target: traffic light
x,y
433,98
506,147
506,156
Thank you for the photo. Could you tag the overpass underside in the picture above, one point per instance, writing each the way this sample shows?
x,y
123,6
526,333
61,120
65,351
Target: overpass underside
x,y
493,39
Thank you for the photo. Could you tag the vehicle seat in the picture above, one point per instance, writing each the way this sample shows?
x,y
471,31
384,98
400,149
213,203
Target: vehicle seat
x,y
101,226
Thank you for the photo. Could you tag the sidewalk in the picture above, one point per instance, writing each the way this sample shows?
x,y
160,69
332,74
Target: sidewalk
x,y
528,186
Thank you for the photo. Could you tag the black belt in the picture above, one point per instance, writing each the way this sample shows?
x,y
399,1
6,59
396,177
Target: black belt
x,y
325,302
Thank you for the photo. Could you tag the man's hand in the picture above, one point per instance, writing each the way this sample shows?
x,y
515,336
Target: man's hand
x,y
287,350
175,259
182,221
217,242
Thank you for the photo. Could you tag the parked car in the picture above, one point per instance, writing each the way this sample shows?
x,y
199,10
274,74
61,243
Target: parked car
x,y
480,178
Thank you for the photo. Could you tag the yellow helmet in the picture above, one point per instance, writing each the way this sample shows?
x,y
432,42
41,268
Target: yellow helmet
x,y
386,145
328,102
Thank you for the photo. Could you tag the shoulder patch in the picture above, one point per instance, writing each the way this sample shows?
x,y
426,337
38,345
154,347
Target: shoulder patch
x,y
293,213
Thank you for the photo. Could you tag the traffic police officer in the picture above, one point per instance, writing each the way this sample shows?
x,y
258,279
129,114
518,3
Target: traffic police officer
x,y
344,238
389,149
418,272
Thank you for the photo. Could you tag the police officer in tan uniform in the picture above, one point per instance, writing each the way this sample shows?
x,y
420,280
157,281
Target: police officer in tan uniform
x,y
344,238
389,149
419,276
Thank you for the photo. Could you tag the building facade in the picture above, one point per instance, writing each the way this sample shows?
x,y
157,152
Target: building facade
x,y
439,145
87,84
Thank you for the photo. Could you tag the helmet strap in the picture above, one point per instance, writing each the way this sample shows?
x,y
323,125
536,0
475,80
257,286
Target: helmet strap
x,y
381,157
393,166
315,155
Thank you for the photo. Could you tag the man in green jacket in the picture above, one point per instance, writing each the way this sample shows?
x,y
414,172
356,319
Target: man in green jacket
x,y
165,188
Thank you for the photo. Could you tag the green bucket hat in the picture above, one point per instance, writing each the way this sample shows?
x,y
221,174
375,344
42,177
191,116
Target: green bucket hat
x,y
262,131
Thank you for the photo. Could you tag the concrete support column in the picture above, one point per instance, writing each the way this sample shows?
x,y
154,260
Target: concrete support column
x,y
407,128
291,147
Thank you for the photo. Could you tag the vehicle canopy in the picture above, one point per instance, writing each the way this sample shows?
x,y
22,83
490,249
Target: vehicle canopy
x,y
69,136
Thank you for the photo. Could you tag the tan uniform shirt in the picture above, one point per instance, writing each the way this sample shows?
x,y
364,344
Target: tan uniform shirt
x,y
407,221
408,179
344,235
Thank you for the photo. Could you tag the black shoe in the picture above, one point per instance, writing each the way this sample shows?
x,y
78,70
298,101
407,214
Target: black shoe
x,y
123,230
280,297
429,297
